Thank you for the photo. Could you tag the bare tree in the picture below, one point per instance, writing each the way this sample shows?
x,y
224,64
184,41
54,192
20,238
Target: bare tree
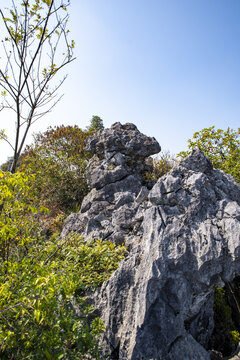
x,y
36,48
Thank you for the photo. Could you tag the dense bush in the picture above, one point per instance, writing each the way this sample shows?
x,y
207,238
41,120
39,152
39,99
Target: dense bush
x,y
18,217
37,317
58,160
42,282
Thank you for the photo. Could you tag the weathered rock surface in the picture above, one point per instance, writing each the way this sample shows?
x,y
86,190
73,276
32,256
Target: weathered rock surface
x,y
116,175
185,239
159,303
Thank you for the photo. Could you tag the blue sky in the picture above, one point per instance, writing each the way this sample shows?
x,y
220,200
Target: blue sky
x,y
172,67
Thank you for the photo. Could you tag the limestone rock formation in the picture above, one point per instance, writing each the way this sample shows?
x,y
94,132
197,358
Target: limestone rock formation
x,y
185,239
159,303
116,175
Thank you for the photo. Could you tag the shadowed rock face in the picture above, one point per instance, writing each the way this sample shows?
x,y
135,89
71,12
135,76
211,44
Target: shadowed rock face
x,y
116,175
184,236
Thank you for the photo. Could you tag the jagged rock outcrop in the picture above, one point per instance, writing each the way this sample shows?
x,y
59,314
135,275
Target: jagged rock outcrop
x,y
116,175
185,239
159,303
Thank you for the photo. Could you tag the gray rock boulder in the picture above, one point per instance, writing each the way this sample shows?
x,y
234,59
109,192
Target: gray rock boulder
x,y
159,303
124,139
116,176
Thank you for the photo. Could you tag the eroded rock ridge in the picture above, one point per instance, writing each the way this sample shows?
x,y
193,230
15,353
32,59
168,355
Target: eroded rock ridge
x,y
185,235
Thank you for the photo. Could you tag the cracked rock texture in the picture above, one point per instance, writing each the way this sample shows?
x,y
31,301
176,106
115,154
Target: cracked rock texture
x,y
185,239
116,176
159,303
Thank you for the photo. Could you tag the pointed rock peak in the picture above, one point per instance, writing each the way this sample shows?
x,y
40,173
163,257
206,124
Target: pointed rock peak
x,y
197,162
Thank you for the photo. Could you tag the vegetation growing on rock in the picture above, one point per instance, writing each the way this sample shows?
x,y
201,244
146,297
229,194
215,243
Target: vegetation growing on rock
x,y
226,335
162,164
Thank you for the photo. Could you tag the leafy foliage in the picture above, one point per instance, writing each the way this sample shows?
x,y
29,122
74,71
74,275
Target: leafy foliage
x,y
37,316
43,313
94,260
95,124
58,160
18,225
226,332
234,337
222,147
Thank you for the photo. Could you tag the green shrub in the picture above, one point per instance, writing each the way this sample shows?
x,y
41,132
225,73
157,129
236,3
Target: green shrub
x,y
19,227
43,311
94,260
58,160
37,318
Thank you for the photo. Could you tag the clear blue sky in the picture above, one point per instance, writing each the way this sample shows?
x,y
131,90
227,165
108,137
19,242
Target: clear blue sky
x,y
172,67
